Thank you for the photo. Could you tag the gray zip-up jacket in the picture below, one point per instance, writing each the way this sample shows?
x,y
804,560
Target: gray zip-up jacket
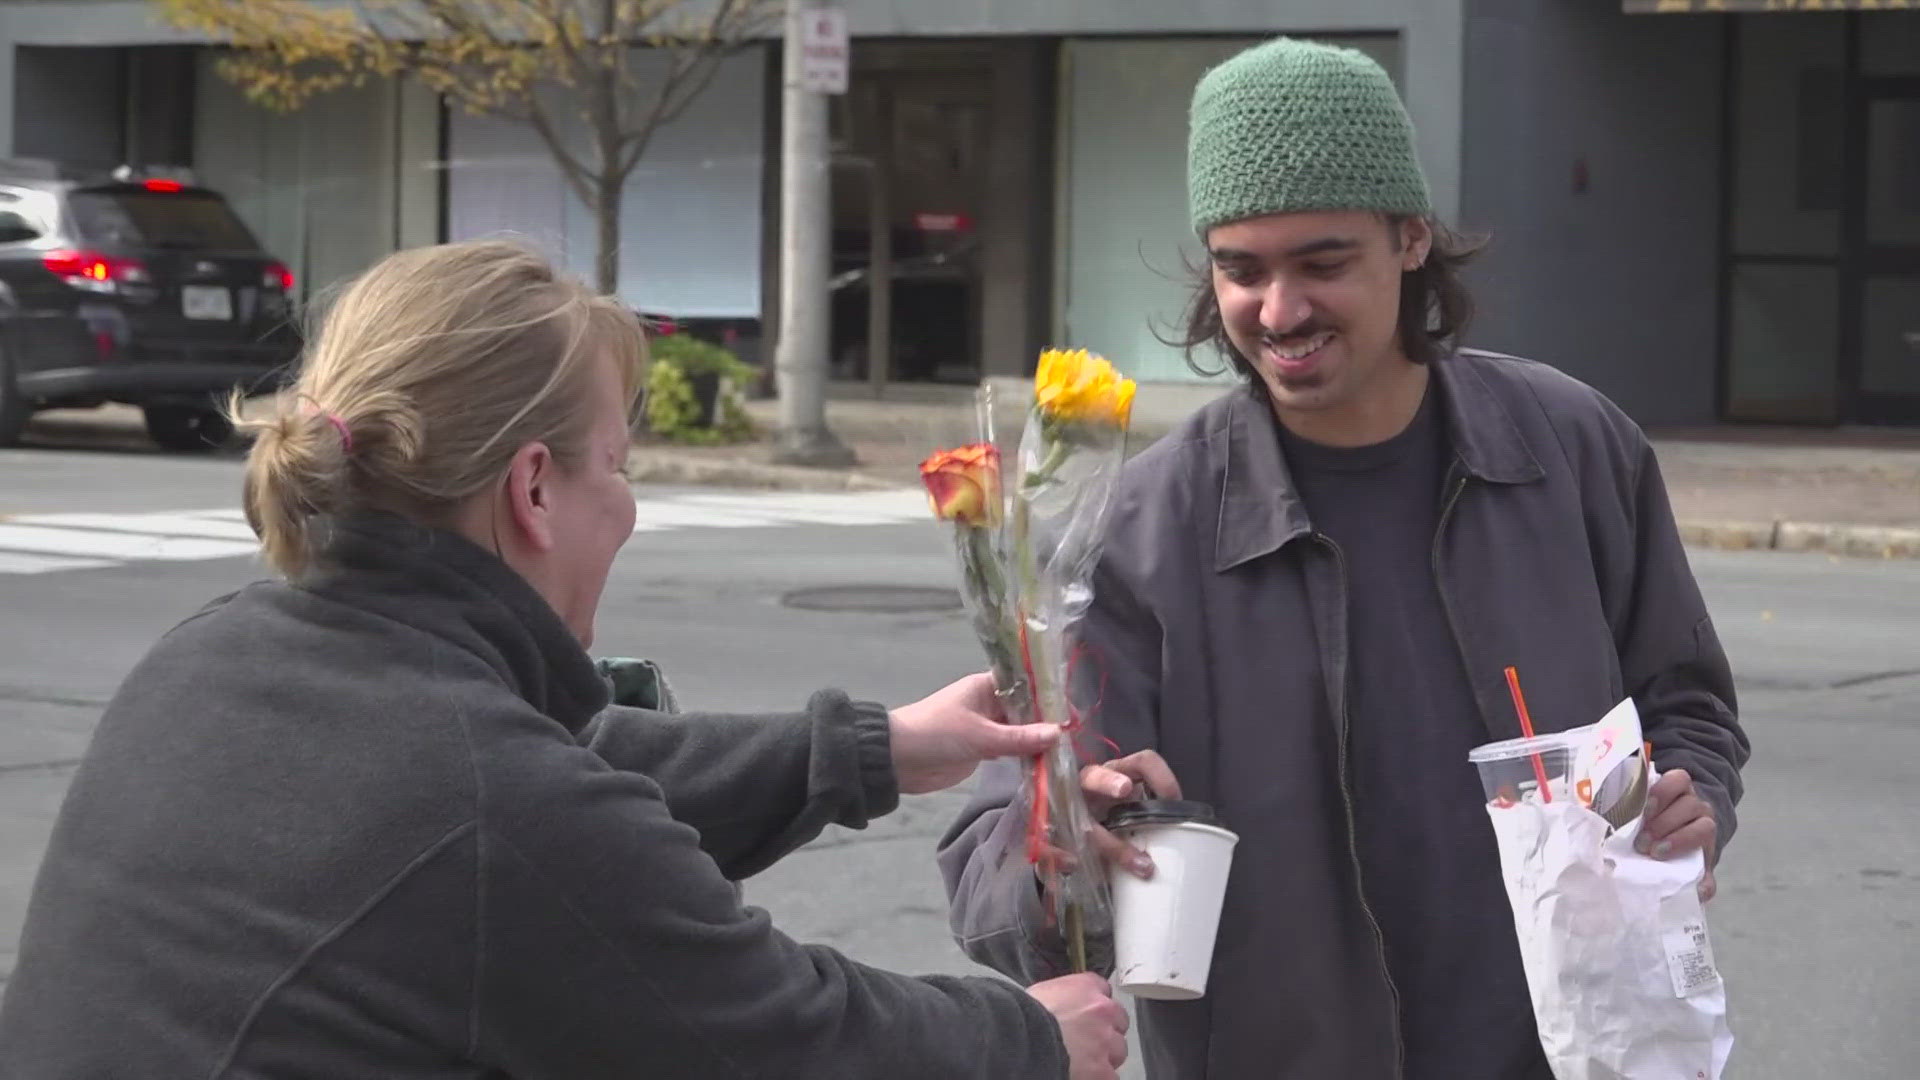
x,y
1219,616
379,825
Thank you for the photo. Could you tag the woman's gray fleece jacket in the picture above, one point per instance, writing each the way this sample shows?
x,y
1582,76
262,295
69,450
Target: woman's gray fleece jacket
x,y
383,823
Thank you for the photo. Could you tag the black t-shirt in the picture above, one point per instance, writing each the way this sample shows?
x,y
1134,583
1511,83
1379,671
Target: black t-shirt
x,y
1429,867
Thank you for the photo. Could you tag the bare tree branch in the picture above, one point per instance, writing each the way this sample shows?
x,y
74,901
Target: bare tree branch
x,y
724,35
514,60
577,174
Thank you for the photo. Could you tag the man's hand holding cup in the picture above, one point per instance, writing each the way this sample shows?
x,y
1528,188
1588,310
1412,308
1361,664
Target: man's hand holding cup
x,y
1122,780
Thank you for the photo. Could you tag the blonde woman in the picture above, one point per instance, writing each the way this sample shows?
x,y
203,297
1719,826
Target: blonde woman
x,y
376,819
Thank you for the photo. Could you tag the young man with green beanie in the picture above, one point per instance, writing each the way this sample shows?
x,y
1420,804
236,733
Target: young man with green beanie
x,y
1310,593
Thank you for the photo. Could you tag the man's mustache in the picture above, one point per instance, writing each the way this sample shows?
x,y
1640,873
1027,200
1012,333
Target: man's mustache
x,y
1300,333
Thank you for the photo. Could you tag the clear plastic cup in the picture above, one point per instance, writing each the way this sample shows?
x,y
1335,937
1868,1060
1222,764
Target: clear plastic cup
x,y
1164,927
1508,774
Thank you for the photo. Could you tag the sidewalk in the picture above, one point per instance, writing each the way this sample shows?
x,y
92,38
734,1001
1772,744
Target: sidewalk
x,y
1845,492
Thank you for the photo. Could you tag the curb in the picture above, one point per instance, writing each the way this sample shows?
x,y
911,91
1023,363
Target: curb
x,y
1857,541
652,465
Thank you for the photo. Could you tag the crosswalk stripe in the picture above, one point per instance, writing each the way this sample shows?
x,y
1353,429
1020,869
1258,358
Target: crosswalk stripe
x,y
901,501
818,511
670,514
48,540
12,562
38,543
206,528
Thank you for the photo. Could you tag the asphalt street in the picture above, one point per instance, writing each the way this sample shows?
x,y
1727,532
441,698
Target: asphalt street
x,y
1815,929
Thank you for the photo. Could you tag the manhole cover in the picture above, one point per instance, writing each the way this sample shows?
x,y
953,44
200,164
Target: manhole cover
x,y
886,599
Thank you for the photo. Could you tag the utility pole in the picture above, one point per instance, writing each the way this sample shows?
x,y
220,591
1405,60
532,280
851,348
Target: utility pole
x,y
806,259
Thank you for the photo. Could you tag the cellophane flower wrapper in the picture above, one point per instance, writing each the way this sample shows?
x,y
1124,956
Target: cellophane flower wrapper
x,y
988,602
1027,550
1062,495
980,543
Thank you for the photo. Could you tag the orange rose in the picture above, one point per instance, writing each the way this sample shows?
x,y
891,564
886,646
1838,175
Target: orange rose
x,y
965,485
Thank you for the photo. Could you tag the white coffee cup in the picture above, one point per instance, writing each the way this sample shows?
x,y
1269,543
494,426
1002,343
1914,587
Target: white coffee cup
x,y
1164,927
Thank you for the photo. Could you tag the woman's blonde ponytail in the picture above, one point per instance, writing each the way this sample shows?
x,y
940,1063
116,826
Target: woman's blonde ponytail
x,y
428,374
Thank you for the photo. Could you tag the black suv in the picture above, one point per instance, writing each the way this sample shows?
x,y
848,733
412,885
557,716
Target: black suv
x,y
141,288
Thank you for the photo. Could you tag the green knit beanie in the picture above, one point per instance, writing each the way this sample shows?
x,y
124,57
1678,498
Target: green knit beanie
x,y
1295,125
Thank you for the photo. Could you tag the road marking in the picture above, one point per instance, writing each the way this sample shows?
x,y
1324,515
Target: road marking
x,y
673,514
95,543
202,526
41,543
13,562
861,508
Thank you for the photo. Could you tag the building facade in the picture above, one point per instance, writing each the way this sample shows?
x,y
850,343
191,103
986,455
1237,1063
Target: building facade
x,y
1707,214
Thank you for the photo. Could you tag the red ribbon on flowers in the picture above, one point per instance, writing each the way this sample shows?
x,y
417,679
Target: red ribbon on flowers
x,y
1039,815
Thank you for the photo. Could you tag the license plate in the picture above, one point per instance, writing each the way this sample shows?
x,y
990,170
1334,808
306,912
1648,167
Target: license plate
x,y
209,302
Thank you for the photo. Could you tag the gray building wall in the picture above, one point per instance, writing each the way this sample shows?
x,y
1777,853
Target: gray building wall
x,y
1617,285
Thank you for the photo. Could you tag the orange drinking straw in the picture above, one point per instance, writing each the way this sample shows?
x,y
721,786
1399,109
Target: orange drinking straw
x,y
1526,728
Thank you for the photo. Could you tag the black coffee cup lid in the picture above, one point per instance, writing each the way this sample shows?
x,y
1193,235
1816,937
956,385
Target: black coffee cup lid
x,y
1161,812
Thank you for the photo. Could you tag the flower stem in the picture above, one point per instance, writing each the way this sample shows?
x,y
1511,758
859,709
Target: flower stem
x,y
1057,452
1076,938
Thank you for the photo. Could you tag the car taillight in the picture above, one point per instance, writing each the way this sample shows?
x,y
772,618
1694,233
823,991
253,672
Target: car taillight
x,y
93,267
164,185
277,276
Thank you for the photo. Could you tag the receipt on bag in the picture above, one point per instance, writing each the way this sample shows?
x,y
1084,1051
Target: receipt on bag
x,y
1689,953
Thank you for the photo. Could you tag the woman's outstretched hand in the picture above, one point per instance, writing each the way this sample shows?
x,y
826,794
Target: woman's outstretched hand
x,y
939,740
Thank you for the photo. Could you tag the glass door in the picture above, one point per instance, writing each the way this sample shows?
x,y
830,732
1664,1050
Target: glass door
x,y
1885,380
909,184
1785,241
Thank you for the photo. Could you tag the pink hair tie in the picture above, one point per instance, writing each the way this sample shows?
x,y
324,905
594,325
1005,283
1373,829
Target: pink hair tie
x,y
346,436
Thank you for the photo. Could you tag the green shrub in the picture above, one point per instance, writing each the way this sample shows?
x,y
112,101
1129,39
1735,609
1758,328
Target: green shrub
x,y
696,357
672,405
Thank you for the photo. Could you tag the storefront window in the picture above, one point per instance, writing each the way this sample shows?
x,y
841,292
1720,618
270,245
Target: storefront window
x,y
1890,349
1890,43
331,187
1824,278
1789,194
1790,94
1785,329
690,219
1893,172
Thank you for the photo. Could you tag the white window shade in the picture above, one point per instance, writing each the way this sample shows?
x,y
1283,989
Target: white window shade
x,y
690,228
332,187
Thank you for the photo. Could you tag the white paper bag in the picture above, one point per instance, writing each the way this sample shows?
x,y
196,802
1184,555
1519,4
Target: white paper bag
x,y
1614,942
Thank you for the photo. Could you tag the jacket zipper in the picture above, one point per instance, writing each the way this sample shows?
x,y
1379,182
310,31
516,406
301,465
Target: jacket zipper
x,y
1353,846
1446,609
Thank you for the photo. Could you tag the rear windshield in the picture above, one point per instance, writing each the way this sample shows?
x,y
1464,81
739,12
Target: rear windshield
x,y
160,220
